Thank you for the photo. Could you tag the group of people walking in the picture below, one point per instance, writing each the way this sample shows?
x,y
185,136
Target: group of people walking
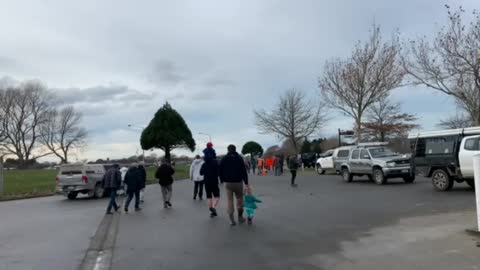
x,y
135,181
207,173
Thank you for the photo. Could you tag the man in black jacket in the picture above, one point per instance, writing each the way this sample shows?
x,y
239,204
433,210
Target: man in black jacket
x,y
209,171
112,181
234,174
134,184
164,174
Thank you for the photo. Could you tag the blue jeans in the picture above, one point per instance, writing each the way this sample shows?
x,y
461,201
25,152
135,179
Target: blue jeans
x,y
130,197
113,200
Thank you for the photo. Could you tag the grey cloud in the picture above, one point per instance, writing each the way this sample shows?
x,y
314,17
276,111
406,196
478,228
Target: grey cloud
x,y
165,71
101,94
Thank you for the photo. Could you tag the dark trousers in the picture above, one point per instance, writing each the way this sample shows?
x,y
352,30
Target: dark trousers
x,y
113,200
130,195
294,175
198,189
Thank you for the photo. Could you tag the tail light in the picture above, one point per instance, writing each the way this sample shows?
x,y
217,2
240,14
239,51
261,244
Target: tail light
x,y
57,179
85,179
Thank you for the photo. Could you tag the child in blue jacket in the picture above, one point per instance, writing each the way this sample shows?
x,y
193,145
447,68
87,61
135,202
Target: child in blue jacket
x,y
250,204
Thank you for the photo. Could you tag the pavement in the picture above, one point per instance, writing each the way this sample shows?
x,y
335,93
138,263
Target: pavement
x,y
325,223
47,233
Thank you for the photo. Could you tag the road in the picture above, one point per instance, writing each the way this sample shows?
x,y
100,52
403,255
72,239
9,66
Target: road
x,y
323,224
47,233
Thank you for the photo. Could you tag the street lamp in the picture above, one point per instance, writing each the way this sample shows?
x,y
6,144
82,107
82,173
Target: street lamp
x,y
142,129
206,134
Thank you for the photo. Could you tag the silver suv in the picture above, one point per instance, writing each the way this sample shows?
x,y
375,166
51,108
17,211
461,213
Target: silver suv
x,y
377,162
81,178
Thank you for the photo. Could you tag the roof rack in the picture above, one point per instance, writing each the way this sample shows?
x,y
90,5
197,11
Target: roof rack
x,y
446,132
373,144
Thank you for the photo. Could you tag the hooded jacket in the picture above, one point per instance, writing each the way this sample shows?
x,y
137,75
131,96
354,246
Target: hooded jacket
x,y
232,169
195,170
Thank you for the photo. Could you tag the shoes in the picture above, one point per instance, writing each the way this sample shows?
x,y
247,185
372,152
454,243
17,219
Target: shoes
x,y
138,209
126,210
213,212
249,220
116,209
241,220
165,205
194,197
109,213
169,204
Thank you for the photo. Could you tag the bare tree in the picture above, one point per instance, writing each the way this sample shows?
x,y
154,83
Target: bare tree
x,y
451,64
456,121
368,75
385,120
294,118
27,108
62,132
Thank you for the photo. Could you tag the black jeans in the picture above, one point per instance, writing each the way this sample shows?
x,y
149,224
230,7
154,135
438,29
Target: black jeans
x,y
294,175
130,197
198,189
113,199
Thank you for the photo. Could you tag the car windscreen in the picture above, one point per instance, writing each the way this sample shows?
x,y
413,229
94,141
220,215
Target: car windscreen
x,y
71,170
381,152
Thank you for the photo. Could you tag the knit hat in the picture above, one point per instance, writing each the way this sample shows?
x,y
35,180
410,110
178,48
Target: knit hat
x,y
209,145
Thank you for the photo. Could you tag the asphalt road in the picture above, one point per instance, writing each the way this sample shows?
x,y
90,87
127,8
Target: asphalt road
x,y
47,233
292,226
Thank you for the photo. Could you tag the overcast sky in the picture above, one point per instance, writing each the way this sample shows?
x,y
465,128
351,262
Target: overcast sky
x,y
118,61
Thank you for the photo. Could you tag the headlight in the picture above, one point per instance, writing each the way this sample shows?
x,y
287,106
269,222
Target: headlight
x,y
390,164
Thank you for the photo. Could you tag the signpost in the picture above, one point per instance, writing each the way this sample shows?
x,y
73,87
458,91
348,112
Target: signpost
x,y
344,133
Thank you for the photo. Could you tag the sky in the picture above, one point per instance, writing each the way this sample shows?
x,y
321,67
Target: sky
x,y
118,61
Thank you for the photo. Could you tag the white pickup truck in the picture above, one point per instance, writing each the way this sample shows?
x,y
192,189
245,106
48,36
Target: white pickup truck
x,y
446,156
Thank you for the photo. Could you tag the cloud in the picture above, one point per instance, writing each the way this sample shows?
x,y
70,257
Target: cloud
x,y
165,71
101,94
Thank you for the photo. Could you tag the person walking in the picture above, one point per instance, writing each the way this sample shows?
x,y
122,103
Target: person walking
x,y
250,204
196,177
112,181
209,171
277,166
293,166
134,184
164,174
143,180
234,175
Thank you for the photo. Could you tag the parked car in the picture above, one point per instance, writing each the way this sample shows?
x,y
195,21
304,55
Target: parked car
x,y
73,179
446,156
378,162
332,159
309,160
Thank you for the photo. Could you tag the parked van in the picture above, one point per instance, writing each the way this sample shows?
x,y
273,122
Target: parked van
x,y
81,178
446,156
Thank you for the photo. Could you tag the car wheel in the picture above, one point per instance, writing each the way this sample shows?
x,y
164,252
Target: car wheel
x,y
441,180
378,176
471,183
320,170
98,191
409,179
72,195
346,175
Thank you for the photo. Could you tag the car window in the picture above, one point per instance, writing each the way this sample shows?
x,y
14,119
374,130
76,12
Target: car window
x,y
472,144
356,154
441,145
343,153
364,154
381,152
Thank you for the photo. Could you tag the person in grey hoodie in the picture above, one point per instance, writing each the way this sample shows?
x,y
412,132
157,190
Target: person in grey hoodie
x,y
196,177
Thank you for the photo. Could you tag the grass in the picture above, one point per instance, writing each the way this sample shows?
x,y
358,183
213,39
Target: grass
x,y
22,184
